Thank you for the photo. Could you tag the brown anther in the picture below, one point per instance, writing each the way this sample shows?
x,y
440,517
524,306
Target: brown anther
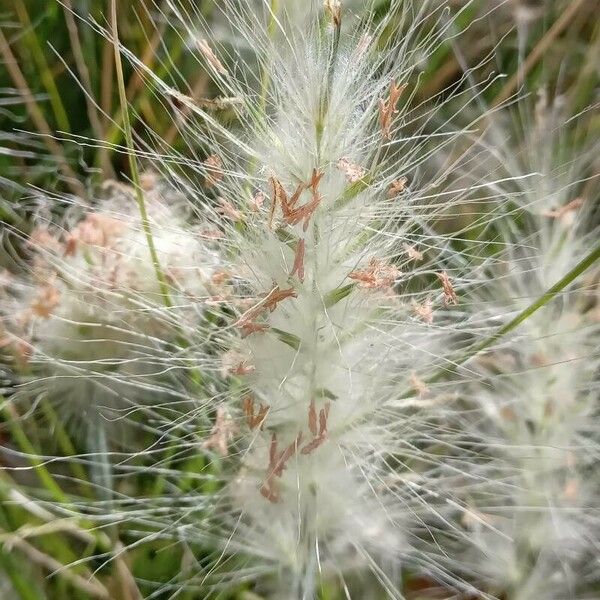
x,y
214,170
561,212
397,187
212,234
313,445
278,467
235,363
70,245
279,197
46,301
257,201
220,277
387,108
323,415
277,463
352,171
250,328
292,215
269,493
253,419
228,210
377,275
412,252
450,296
42,238
334,8
312,418
424,311
268,302
418,385
243,368
315,180
306,212
277,295
298,267
211,57
320,434
221,433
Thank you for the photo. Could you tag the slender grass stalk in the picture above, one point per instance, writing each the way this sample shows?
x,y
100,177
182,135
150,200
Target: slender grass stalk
x,y
88,584
47,77
20,581
19,435
160,276
82,68
66,447
539,51
38,118
45,477
540,302
265,78
106,105
558,287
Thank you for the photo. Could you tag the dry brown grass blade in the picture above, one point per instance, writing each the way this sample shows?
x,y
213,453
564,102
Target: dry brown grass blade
x,y
135,83
540,49
37,116
197,91
106,104
88,584
82,68
128,587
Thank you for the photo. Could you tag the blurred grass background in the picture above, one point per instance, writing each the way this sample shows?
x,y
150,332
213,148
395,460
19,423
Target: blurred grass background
x,y
60,130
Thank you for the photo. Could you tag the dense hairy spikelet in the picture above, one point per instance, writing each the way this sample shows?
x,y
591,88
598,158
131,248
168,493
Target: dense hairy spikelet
x,y
339,301
84,318
531,515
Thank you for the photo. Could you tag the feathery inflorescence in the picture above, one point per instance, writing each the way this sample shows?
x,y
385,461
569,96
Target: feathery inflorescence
x,y
532,521
84,320
289,320
338,302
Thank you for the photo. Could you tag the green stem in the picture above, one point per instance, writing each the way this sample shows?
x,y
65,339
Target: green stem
x,y
325,96
139,195
265,79
265,82
24,585
573,274
544,299
26,446
45,477
66,447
